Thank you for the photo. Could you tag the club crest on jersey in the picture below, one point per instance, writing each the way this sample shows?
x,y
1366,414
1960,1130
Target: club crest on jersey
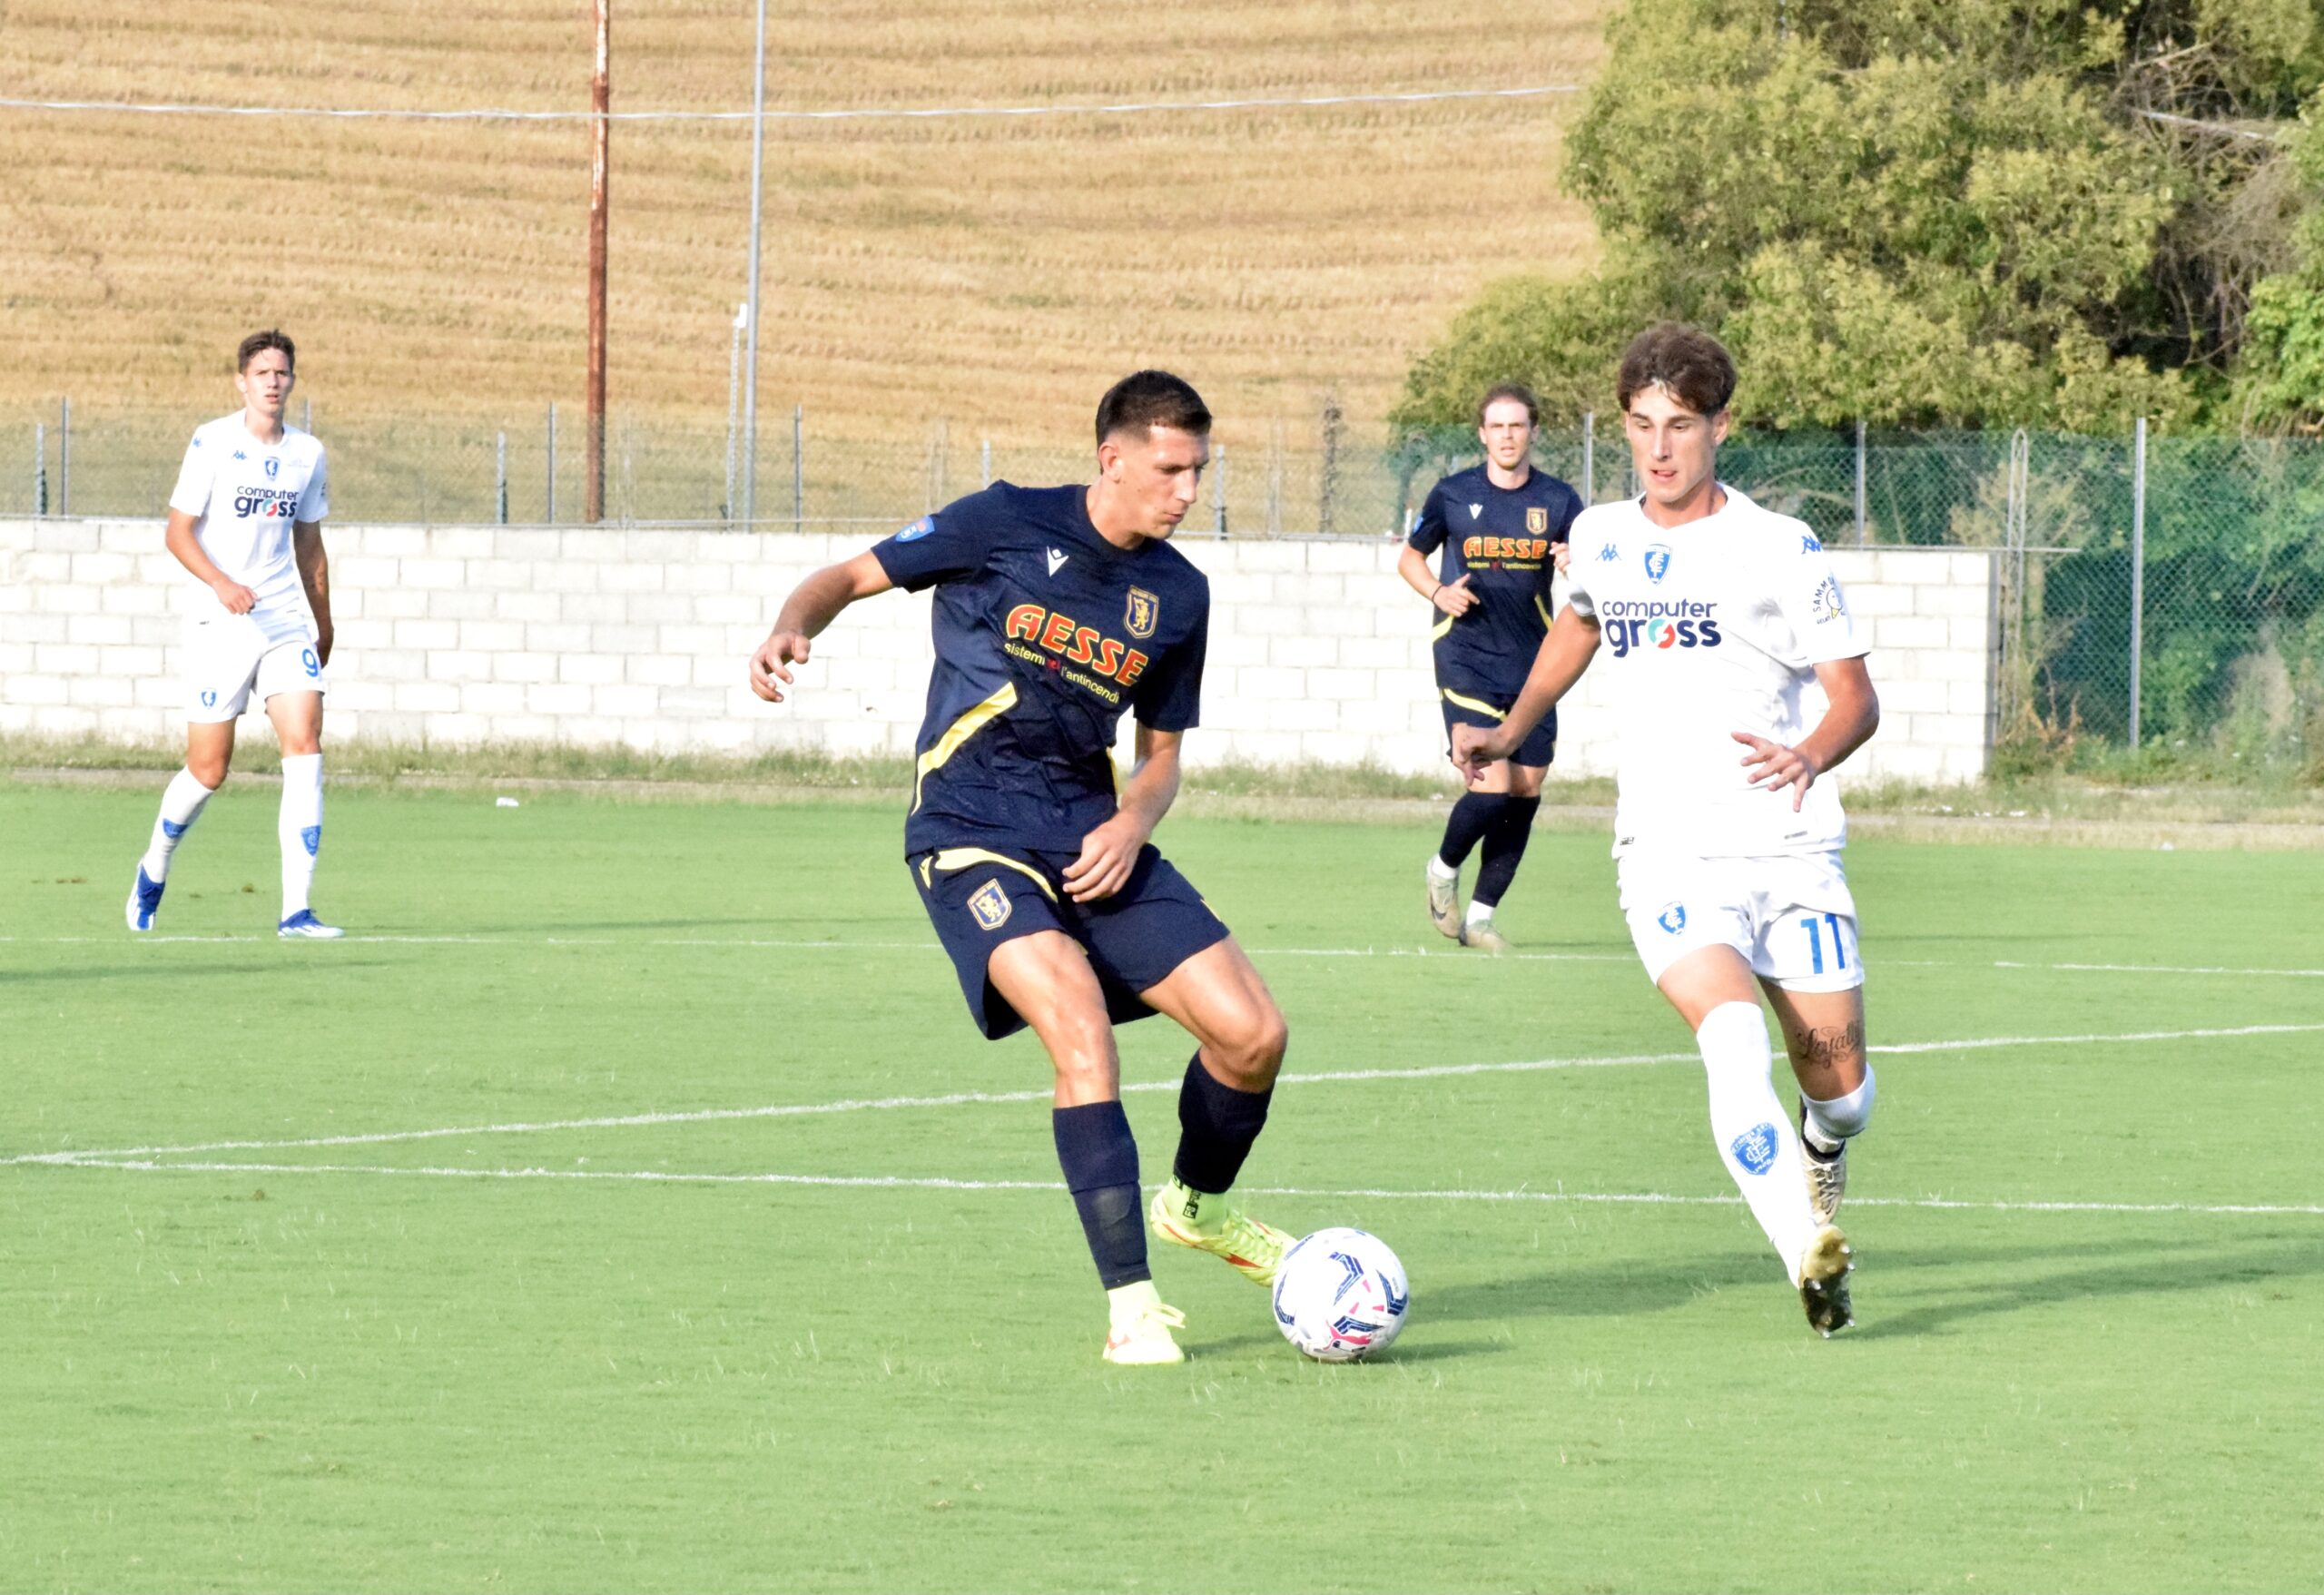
x,y
1144,609
1673,917
273,470
1755,1148
990,905
1658,562
1537,521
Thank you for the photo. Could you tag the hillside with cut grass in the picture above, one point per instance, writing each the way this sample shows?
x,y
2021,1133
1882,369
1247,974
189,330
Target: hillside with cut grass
x,y
993,271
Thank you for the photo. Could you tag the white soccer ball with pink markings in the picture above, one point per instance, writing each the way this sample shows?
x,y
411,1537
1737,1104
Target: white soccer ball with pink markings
x,y
1341,1294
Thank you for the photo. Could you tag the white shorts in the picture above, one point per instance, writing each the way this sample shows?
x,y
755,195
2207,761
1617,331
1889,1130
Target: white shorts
x,y
228,657
1791,915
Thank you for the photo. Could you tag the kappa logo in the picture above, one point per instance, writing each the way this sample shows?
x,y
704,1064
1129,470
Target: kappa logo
x,y
1673,917
1475,511
917,530
1057,560
1609,554
1658,561
1755,1148
990,905
1142,614
240,455
1537,521
1808,543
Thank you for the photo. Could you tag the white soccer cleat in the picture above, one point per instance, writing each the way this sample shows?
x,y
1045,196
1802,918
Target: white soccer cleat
x,y
1826,1175
1444,901
144,900
1485,938
1142,1338
303,926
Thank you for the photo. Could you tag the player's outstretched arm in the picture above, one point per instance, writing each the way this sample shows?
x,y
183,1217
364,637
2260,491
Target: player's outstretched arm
x,y
1110,853
813,605
1847,724
1564,655
180,540
314,574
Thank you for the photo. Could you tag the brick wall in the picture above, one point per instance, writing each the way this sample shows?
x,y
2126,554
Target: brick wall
x,y
595,635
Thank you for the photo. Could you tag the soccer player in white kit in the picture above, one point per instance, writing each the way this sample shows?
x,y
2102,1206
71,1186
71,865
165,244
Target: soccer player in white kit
x,y
1719,616
246,520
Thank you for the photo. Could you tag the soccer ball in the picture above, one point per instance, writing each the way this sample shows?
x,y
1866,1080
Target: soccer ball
x,y
1340,1294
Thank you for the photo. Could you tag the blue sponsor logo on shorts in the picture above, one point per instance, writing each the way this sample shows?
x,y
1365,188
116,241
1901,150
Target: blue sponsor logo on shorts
x,y
1755,1148
917,530
210,700
1673,917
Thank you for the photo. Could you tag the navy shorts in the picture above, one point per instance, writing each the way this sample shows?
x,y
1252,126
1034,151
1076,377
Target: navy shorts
x,y
1464,708
978,898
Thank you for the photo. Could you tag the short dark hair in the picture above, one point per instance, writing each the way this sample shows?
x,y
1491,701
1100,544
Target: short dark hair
x,y
1145,399
258,343
1690,363
1506,390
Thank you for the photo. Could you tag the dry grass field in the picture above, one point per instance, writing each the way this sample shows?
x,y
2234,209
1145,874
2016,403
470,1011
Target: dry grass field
x,y
995,272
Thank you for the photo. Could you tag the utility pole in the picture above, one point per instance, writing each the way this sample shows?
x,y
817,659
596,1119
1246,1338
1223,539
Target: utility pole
x,y
750,336
601,126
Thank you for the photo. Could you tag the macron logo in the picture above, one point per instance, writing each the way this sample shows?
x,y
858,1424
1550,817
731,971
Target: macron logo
x,y
1057,560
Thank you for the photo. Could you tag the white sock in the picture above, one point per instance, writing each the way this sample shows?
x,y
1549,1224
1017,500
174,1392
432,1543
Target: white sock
x,y
181,802
300,827
1442,871
1841,1119
1478,913
1753,1133
1125,1304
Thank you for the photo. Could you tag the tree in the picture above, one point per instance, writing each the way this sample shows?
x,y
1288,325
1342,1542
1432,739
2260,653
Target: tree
x,y
1923,213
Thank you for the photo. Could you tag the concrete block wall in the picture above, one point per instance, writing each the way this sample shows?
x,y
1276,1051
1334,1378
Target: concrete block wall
x,y
639,635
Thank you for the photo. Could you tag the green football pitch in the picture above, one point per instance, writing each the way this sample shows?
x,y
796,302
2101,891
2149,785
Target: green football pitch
x,y
628,1204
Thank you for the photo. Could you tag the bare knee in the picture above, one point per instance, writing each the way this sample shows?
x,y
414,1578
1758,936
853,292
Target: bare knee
x,y
1081,1051
210,769
1251,1056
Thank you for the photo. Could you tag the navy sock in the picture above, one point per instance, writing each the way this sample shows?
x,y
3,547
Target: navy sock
x,y
1099,1157
1217,1125
1467,824
1504,847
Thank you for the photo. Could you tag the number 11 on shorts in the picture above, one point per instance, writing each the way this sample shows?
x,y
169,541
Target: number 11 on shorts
x,y
1815,943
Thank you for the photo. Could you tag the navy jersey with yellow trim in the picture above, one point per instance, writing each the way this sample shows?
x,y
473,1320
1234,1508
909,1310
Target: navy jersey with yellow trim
x,y
1500,538
1045,634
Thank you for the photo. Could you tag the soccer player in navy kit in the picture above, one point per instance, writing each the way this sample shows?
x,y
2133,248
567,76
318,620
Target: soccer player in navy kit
x,y
1055,610
1502,528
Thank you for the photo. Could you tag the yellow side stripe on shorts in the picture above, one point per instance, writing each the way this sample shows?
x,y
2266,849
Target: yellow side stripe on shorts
x,y
949,858
1542,610
1437,636
1479,704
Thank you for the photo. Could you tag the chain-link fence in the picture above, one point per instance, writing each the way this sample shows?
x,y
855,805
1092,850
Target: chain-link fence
x,y
2164,593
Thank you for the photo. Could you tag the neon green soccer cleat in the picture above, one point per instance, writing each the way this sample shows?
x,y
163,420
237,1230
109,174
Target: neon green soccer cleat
x,y
1187,1217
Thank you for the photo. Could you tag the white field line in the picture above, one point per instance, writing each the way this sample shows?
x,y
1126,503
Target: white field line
x,y
938,1183
827,945
967,1099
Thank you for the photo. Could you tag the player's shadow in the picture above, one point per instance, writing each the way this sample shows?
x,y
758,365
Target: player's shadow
x,y
1600,1290
2132,1269
1412,1347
